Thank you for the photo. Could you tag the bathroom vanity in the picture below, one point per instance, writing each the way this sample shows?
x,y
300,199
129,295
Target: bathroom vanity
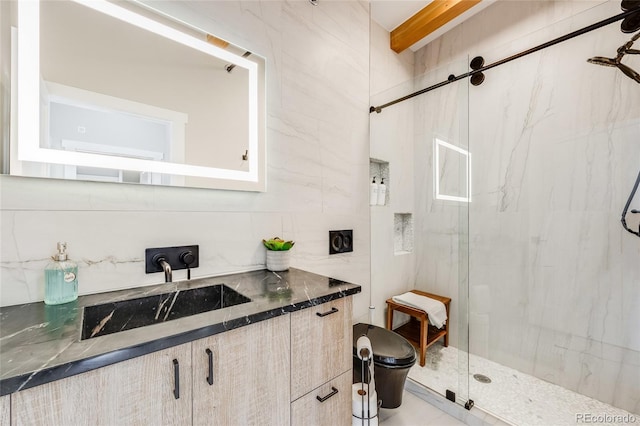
x,y
284,357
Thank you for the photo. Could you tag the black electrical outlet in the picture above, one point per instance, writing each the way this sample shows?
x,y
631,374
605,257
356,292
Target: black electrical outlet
x,y
181,257
340,241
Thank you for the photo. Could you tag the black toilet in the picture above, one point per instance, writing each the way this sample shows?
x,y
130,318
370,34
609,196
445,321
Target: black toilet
x,y
393,356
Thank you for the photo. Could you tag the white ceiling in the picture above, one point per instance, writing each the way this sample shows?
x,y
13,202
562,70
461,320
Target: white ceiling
x,y
391,13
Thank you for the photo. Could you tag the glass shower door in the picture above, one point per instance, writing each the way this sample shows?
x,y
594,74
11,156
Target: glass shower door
x,y
420,146
553,275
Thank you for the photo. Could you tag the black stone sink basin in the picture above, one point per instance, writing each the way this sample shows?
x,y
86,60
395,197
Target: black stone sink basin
x,y
108,318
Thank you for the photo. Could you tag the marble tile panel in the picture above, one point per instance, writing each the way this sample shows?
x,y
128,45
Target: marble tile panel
x,y
390,274
391,140
312,52
387,69
228,242
293,166
544,229
345,171
390,129
247,24
625,393
109,225
311,252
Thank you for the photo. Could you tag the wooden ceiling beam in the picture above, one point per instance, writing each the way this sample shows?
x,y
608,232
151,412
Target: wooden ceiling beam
x,y
430,18
217,41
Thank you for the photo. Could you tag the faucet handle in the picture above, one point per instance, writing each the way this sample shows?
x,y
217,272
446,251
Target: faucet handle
x,y
187,257
177,257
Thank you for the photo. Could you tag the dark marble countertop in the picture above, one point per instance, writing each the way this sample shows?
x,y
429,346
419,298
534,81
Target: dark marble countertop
x,y
40,343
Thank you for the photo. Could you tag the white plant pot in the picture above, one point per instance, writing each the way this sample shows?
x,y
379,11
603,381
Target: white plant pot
x,y
278,260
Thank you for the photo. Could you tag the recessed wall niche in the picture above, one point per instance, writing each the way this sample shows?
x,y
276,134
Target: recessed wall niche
x,y
380,170
402,233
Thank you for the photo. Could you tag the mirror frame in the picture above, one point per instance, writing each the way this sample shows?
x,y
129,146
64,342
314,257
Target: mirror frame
x,y
28,106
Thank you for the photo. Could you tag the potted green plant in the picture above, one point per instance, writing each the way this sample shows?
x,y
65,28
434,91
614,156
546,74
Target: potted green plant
x,y
278,257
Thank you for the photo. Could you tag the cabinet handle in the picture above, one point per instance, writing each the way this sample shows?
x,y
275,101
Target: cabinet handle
x,y
176,378
324,314
210,376
324,398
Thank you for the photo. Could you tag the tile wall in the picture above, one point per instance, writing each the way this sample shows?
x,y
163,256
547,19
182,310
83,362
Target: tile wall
x,y
391,142
553,277
318,162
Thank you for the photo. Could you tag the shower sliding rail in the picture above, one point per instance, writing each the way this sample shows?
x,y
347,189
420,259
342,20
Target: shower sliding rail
x,y
452,78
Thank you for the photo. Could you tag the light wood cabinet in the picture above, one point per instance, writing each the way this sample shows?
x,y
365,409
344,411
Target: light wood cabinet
x,y
246,376
321,345
321,363
5,410
327,405
137,391
242,377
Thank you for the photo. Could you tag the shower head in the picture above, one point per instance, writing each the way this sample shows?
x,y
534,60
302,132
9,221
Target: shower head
x,y
625,49
609,62
629,72
600,60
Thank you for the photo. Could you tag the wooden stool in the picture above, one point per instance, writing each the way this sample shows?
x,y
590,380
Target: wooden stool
x,y
419,333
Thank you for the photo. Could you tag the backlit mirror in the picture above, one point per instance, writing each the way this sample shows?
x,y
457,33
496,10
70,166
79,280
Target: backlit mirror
x,y
124,94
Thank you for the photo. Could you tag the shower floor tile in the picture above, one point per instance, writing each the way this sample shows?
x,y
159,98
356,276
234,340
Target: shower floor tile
x,y
512,396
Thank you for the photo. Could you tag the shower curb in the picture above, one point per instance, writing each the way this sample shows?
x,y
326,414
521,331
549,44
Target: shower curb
x,y
473,417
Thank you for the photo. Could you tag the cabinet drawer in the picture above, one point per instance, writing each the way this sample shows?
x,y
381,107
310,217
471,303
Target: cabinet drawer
x,y
321,345
334,410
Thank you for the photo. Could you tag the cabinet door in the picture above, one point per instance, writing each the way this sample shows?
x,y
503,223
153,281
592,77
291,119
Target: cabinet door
x,y
138,391
249,379
5,410
321,345
329,404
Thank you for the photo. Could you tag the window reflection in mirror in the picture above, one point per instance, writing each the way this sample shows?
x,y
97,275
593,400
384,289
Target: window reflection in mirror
x,y
116,99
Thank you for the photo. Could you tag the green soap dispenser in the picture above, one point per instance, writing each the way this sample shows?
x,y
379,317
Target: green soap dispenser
x,y
60,278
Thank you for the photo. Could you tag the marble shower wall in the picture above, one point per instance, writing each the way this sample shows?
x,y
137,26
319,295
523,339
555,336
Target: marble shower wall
x,y
553,278
317,148
442,225
392,142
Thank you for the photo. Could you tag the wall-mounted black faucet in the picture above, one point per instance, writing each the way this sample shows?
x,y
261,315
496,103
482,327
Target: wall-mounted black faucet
x,y
169,259
161,260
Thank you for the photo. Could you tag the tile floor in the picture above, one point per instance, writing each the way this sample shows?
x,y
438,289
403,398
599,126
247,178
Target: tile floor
x,y
416,412
515,397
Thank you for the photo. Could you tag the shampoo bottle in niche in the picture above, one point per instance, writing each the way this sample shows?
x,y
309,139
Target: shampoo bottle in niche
x,y
60,278
382,193
373,193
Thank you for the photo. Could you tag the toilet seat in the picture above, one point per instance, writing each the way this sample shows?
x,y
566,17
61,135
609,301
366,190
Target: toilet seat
x,y
390,350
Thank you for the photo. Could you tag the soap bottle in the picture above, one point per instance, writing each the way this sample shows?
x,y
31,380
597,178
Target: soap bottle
x,y
60,278
382,193
373,193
